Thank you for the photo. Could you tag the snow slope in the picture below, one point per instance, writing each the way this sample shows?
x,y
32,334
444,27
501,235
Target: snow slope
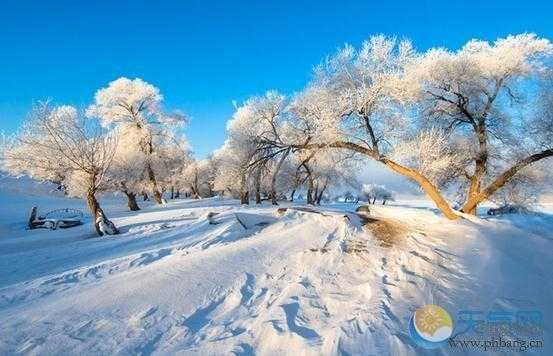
x,y
305,284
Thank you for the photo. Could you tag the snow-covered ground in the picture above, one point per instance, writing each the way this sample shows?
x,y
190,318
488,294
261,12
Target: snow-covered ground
x,y
300,283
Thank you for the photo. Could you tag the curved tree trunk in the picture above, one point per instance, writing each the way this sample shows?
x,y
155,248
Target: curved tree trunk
x,y
131,198
102,224
425,185
412,174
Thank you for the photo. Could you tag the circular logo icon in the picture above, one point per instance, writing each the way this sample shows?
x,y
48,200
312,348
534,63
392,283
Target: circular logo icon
x,y
430,326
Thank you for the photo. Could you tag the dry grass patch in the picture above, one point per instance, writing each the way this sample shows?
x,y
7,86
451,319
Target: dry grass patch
x,y
388,232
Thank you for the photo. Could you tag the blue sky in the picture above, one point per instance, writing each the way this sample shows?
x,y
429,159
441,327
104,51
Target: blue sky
x,y
205,54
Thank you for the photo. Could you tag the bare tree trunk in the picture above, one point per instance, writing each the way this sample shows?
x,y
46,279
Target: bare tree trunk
x,y
153,182
425,184
384,202
320,197
131,201
481,165
177,194
258,186
195,188
315,193
244,194
292,194
131,197
148,149
374,200
310,184
145,196
310,191
244,197
172,192
474,190
309,196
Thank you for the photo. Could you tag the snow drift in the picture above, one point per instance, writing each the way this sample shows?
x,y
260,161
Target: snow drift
x,y
295,282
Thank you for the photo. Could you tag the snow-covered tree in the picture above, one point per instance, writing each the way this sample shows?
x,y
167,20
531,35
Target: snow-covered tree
x,y
233,168
256,123
170,161
198,178
384,98
374,192
320,171
434,153
246,155
127,171
476,91
58,138
136,107
541,126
